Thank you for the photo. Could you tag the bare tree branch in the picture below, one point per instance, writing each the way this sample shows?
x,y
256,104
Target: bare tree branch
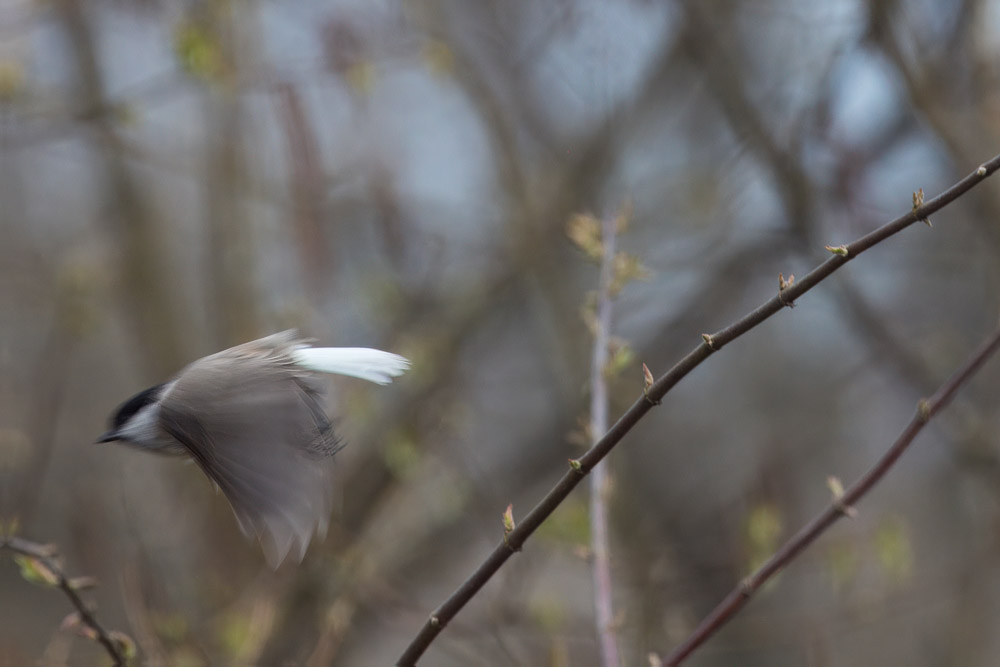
x,y
842,505
600,559
710,344
46,556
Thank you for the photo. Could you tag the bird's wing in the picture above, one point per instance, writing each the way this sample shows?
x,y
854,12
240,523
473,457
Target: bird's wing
x,y
261,435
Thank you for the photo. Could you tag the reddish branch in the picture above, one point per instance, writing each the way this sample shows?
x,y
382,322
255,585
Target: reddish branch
x,y
840,506
46,556
513,541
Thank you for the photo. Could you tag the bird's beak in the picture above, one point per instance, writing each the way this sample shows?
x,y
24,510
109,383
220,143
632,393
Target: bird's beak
x,y
110,436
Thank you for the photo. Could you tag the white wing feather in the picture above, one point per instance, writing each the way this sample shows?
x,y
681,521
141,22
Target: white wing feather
x,y
360,362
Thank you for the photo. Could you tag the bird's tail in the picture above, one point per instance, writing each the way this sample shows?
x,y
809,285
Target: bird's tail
x,y
360,362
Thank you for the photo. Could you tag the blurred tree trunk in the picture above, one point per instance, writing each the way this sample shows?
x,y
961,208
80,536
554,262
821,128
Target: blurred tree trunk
x,y
149,304
231,269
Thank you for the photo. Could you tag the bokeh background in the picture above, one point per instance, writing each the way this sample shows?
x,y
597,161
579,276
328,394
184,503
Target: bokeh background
x,y
177,177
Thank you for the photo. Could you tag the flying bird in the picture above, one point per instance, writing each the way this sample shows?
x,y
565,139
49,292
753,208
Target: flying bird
x,y
252,418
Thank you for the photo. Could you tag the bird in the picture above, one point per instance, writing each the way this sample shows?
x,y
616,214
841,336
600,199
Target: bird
x,y
251,417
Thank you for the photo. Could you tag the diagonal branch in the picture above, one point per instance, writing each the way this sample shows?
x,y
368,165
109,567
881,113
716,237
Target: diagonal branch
x,y
841,506
711,343
46,556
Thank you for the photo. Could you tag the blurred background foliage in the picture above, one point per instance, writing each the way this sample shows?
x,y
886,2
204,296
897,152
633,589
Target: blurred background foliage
x,y
177,177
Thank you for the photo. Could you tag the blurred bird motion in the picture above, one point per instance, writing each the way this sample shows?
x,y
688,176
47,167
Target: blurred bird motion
x,y
252,418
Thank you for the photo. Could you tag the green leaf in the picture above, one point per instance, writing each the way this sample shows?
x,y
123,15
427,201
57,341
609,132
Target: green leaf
x,y
623,357
124,643
584,231
35,571
627,268
198,50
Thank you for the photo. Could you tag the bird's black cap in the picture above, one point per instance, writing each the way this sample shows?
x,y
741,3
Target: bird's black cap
x,y
125,411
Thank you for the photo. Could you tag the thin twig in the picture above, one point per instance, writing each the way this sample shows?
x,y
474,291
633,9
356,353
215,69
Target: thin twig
x,y
600,558
710,344
46,556
842,505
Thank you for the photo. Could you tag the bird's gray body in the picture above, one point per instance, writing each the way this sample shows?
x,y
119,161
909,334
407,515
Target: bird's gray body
x,y
252,418
261,435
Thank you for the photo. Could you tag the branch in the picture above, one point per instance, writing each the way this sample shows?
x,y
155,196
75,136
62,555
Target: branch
x,y
841,506
710,344
600,560
111,641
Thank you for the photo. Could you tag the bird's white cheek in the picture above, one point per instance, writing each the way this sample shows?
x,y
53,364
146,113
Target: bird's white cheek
x,y
143,432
